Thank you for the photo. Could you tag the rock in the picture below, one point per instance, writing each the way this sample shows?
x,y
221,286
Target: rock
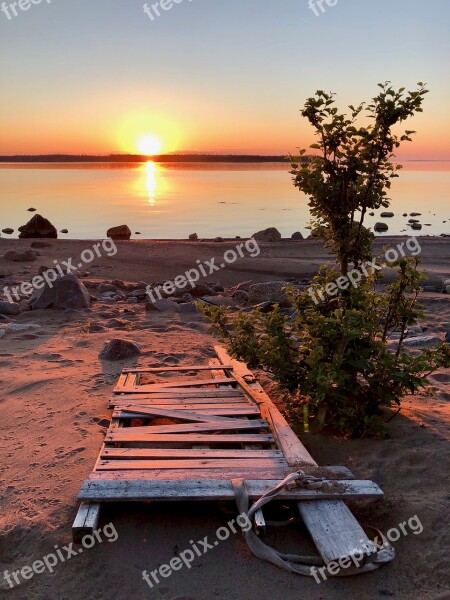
x,y
297,236
447,289
422,341
379,227
372,214
201,290
8,230
27,256
405,214
4,319
103,288
219,300
164,305
95,328
267,292
387,215
38,227
118,349
137,233
32,209
41,245
64,231
267,235
218,288
416,226
188,297
122,232
66,292
218,239
44,269
4,273
193,237
118,283
447,337
415,214
9,308
241,297
188,308
245,285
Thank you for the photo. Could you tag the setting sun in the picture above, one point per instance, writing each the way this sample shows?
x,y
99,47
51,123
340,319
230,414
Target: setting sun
x,y
150,145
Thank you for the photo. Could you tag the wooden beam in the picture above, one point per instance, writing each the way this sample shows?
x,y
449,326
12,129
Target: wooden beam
x,y
173,369
116,491
182,415
132,453
107,464
237,438
231,425
86,521
158,387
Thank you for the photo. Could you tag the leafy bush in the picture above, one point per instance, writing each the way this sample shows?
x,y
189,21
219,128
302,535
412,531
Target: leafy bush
x,y
333,358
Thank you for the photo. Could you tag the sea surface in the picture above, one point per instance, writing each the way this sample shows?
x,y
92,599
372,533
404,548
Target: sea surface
x,y
171,201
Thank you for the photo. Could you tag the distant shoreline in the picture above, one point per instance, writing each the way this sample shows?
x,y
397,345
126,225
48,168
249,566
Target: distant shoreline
x,y
137,158
162,158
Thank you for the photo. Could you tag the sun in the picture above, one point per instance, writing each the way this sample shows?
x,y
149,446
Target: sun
x,y
150,145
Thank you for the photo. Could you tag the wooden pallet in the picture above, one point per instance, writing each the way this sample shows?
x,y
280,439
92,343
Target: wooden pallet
x,y
217,426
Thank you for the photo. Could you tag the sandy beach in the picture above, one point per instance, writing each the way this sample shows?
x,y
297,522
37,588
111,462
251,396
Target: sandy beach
x,y
54,394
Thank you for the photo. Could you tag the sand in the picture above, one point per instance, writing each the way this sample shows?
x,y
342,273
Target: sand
x,y
54,393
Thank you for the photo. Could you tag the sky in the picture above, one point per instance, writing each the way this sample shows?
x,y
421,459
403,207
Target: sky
x,y
101,76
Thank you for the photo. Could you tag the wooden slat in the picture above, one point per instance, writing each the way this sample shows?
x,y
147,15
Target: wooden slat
x,y
174,369
158,387
232,425
117,490
183,415
236,438
131,453
207,410
188,464
182,475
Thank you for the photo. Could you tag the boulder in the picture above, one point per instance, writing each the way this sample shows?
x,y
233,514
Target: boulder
x,y
193,237
27,256
379,227
267,235
122,232
241,297
65,292
188,308
164,305
38,227
218,288
119,349
297,236
9,308
387,215
200,290
267,292
8,230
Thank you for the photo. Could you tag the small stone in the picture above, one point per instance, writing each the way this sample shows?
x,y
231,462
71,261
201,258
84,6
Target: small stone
x,y
9,308
380,227
241,297
137,233
218,288
188,308
164,305
268,292
416,226
415,214
64,231
27,256
8,231
119,349
188,297
103,288
218,239
193,237
387,215
447,337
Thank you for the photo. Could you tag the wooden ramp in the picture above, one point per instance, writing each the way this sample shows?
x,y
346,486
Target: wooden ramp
x,y
189,437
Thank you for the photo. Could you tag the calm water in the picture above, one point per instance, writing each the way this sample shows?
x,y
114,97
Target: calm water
x,y
172,201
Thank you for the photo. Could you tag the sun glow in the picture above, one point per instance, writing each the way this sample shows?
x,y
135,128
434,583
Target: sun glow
x,y
150,181
150,145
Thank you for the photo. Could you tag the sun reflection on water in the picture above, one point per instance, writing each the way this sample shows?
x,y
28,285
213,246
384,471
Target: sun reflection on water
x,y
151,184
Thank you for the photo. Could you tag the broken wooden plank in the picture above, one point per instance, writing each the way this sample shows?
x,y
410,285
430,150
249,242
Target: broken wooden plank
x,y
182,415
199,489
157,387
86,521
